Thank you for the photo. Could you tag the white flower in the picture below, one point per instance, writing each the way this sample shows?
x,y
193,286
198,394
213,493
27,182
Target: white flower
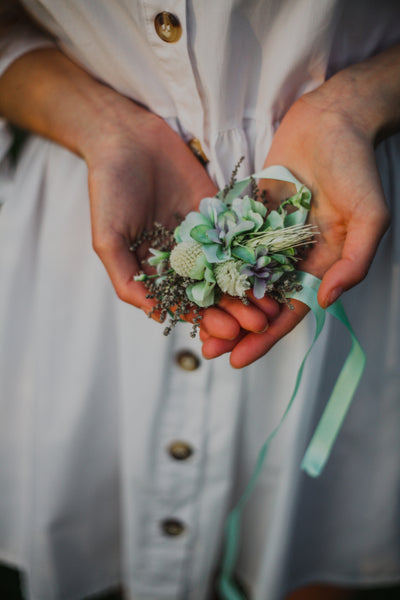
x,y
183,258
229,278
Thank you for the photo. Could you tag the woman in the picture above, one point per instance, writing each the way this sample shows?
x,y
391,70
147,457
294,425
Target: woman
x,y
121,463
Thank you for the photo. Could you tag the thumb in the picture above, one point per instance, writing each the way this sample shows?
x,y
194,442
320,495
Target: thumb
x,y
121,265
361,243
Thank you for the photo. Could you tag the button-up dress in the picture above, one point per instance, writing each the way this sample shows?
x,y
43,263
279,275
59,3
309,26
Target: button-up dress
x,y
122,451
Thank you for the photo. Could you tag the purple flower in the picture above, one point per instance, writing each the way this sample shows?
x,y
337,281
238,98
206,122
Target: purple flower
x,y
216,226
265,270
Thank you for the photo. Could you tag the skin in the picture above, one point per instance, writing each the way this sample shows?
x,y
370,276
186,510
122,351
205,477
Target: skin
x,y
140,171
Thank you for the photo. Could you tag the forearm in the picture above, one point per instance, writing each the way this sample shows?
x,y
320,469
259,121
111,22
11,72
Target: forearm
x,y
367,93
46,93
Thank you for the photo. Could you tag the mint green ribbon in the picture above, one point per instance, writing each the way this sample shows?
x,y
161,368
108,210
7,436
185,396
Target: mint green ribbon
x,y
325,434
328,428
342,394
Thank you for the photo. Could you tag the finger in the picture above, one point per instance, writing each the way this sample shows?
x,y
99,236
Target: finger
x,y
214,347
249,316
203,334
359,249
220,323
270,307
121,265
255,345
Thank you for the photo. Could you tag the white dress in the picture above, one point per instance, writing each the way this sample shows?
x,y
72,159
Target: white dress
x,y
92,395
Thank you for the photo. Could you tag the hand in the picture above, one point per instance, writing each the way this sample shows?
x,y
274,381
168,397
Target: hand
x,y
141,172
326,140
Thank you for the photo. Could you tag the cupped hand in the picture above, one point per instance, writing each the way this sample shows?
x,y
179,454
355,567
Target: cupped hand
x,y
333,155
141,172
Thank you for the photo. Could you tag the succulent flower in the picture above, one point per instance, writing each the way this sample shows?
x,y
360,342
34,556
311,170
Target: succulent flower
x,y
266,269
248,209
230,279
209,208
216,225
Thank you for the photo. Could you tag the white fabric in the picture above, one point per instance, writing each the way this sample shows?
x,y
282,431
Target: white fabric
x,y
90,391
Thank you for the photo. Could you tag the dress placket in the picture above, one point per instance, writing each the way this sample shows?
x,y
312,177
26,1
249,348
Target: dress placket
x,y
167,35
192,464
178,464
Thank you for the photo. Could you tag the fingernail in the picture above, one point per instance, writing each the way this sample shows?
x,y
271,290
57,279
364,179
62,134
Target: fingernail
x,y
265,328
334,295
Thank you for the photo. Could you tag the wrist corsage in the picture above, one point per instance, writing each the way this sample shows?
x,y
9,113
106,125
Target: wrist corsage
x,y
231,245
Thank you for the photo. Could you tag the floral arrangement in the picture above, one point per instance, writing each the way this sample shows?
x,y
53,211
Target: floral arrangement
x,y
231,245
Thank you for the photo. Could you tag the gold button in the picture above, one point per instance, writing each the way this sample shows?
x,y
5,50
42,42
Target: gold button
x,y
198,151
172,527
180,450
187,360
168,27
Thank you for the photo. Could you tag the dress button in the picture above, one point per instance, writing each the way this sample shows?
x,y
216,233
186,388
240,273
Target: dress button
x,y
187,360
168,27
180,450
198,151
172,527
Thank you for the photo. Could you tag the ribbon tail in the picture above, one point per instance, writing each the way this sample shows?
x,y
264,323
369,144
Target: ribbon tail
x,y
328,428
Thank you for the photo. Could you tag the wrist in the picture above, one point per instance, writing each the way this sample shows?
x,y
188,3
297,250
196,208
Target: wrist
x,y
116,123
66,104
366,94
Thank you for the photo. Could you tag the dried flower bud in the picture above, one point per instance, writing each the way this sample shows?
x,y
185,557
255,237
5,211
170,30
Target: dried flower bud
x,y
229,278
184,256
